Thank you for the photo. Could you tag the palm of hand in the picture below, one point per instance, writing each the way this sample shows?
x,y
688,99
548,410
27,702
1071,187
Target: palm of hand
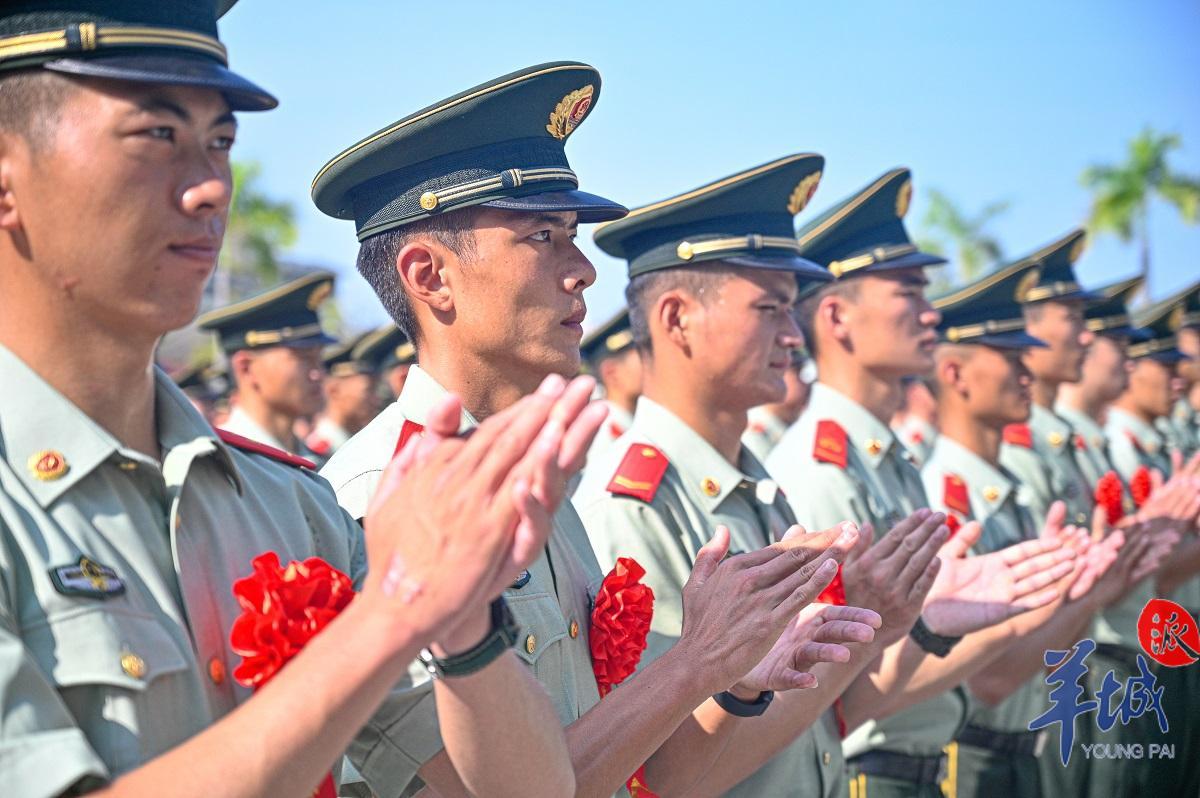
x,y
970,594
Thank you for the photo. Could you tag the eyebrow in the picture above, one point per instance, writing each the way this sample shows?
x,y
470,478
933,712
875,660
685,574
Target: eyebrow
x,y
555,219
156,105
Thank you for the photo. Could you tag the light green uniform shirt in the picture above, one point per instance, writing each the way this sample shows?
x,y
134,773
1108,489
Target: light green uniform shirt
x,y
917,436
763,431
552,609
1134,443
1182,428
240,423
992,494
878,485
1048,471
98,677
699,490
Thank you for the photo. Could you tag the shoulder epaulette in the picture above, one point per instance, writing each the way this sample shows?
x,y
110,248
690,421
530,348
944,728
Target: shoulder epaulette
x,y
829,445
407,430
247,445
640,472
1019,435
954,495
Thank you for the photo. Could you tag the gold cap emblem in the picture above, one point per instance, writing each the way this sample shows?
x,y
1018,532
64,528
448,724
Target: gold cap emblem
x,y
319,295
429,200
803,193
903,199
1026,284
684,251
48,465
710,487
569,112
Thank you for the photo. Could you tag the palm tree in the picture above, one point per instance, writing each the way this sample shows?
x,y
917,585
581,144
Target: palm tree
x,y
974,248
1122,192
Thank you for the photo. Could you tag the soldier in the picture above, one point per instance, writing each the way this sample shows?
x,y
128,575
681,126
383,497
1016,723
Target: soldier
x,y
867,331
395,353
1041,453
125,519
1182,428
195,381
351,396
611,356
711,300
766,424
983,385
467,212
915,423
273,343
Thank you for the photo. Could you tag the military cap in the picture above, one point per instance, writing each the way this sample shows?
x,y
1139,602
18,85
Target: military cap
x,y
340,361
499,144
746,219
988,311
864,233
1055,270
385,347
148,41
283,316
610,338
1161,322
1109,315
192,377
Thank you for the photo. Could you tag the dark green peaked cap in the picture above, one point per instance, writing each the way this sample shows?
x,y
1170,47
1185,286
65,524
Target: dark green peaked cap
x,y
500,144
746,219
171,42
385,347
609,338
340,361
865,233
1056,279
1110,314
285,315
1161,322
988,311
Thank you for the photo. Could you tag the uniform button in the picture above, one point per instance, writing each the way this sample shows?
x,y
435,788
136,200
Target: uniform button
x,y
216,671
133,665
874,446
1080,519
530,644
574,628
826,758
127,465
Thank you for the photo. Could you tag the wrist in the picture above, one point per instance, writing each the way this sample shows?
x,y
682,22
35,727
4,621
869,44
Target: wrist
x,y
387,639
745,694
685,675
466,633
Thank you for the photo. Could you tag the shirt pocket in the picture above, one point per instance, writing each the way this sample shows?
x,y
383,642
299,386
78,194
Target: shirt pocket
x,y
123,678
541,632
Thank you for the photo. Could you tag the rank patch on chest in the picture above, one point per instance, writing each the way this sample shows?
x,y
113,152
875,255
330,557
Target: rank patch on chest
x,y
88,579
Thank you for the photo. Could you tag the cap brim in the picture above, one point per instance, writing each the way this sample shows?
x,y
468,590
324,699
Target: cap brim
x,y
913,260
1167,356
802,268
591,208
1012,340
171,70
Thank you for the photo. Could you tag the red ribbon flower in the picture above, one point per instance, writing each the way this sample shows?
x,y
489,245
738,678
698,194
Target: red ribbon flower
x,y
620,625
1140,486
1108,495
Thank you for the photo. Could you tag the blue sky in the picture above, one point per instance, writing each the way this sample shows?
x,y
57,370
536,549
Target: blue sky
x,y
1000,101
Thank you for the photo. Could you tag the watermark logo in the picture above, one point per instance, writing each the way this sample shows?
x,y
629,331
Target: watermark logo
x,y
1069,698
1168,633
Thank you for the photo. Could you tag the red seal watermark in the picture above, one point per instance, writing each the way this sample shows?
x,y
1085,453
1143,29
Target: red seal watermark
x,y
1168,633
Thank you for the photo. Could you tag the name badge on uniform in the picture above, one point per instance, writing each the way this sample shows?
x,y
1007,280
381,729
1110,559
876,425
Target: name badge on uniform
x,y
521,580
88,578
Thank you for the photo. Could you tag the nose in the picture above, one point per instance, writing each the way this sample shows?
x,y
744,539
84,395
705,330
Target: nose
x,y
579,273
1086,337
207,191
930,316
792,337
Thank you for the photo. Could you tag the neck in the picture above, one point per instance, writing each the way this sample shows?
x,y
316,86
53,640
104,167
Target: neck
x,y
108,375
627,402
878,394
1077,397
485,386
1126,402
1193,396
694,402
972,433
278,425
784,412
1044,392
342,419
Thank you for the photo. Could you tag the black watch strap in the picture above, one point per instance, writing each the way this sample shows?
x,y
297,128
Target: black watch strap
x,y
499,639
742,709
935,644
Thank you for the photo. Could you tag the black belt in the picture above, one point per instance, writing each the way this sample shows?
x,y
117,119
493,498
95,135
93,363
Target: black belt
x,y
1026,743
902,767
1126,656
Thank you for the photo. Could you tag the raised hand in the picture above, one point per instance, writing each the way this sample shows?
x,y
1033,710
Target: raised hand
x,y
736,608
892,576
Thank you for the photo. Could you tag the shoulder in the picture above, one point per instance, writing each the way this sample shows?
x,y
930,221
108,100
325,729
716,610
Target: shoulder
x,y
639,473
368,451
1020,435
244,444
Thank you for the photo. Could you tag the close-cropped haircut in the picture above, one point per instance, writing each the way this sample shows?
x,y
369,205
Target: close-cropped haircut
x,y
455,230
31,105
806,311
701,282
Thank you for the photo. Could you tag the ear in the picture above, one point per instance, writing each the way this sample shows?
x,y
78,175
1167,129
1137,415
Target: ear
x,y
240,364
10,219
421,267
833,315
949,373
673,312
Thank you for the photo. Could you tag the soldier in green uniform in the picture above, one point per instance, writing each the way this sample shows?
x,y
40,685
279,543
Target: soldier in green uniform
x,y
1182,427
125,519
351,393
915,422
467,213
867,331
766,424
612,358
983,385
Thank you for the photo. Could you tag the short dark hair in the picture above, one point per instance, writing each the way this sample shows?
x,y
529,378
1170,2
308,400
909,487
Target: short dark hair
x,y
644,289
455,230
806,311
31,104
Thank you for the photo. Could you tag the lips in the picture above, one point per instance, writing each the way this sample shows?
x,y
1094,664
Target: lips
x,y
198,248
575,318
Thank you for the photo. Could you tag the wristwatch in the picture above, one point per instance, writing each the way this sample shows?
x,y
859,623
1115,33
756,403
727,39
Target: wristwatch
x,y
935,644
744,709
499,639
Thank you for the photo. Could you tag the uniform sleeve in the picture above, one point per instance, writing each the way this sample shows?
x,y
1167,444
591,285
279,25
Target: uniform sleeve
x,y
42,751
401,737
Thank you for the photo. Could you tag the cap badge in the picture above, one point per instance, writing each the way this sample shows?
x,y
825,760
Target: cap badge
x,y
803,193
903,198
569,112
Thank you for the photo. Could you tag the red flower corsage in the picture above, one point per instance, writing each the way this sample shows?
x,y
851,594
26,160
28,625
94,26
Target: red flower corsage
x,y
1140,486
1108,495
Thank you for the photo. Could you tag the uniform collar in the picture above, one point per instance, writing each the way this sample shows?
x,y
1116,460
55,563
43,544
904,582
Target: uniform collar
x,y
331,432
1052,429
989,481
772,425
1083,424
871,437
703,470
419,395
241,423
36,420
1148,437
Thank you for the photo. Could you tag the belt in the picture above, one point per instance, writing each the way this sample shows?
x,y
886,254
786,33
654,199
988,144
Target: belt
x,y
1126,656
902,767
1027,743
